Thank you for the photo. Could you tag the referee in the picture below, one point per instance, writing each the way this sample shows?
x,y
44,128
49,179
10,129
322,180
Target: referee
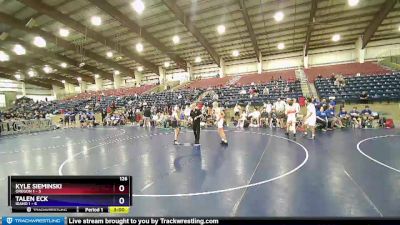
x,y
196,116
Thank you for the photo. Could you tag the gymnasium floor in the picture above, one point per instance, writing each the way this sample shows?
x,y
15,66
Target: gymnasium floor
x,y
260,173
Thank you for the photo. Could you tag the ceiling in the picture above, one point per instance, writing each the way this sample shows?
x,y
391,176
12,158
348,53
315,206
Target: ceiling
x,y
250,28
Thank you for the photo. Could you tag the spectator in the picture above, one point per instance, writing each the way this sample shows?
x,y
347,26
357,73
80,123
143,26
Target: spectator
x,y
286,89
322,118
215,97
248,108
266,90
103,114
187,112
242,120
236,110
280,111
332,119
355,117
364,97
366,117
255,118
333,78
344,116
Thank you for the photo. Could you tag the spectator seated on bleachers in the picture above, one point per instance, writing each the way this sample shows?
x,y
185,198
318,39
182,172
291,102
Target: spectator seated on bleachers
x,y
209,83
347,69
230,96
362,89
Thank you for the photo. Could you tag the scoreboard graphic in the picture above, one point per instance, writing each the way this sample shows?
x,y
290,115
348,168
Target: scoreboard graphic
x,y
59,194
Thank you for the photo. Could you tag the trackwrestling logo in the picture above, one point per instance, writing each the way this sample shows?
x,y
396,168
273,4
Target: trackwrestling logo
x,y
33,220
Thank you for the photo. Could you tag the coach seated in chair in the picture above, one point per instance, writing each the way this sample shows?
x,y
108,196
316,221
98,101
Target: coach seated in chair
x,y
107,120
332,119
165,120
264,118
344,117
273,122
355,118
367,117
255,118
322,119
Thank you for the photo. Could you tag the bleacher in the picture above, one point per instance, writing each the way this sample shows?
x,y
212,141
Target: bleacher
x,y
348,69
263,78
168,98
100,99
26,106
229,96
382,87
162,99
207,83
125,91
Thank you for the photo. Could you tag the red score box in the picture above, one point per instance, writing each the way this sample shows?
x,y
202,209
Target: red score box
x,y
82,189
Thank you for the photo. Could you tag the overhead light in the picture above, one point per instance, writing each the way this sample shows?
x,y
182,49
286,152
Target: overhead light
x,y
96,76
79,78
17,76
47,69
138,6
235,53
278,16
19,49
166,64
352,2
140,68
39,42
31,73
63,81
197,59
4,56
63,65
336,37
116,72
96,20
221,29
139,47
82,64
64,32
109,54
176,39
281,46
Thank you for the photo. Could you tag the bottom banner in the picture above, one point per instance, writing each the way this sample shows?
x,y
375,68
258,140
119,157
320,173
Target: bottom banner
x,y
230,221
10,220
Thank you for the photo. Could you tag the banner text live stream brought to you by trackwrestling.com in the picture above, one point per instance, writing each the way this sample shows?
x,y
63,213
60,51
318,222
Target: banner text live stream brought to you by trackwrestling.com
x,y
140,221
104,221
19,220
